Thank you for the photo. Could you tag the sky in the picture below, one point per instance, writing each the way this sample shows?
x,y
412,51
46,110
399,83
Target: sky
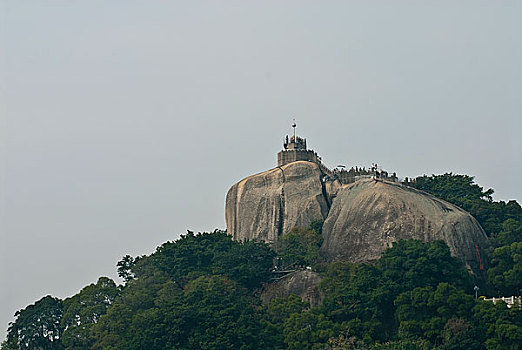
x,y
123,123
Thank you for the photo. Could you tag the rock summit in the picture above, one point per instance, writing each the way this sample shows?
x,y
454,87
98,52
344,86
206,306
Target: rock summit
x,y
364,211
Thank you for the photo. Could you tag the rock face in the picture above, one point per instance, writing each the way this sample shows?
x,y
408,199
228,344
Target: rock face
x,y
362,219
266,205
302,283
366,217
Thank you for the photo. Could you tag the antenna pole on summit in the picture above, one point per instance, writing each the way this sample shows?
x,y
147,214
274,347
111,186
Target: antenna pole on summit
x,y
294,126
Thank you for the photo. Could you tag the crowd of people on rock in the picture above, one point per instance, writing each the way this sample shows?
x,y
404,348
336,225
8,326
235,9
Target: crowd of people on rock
x,y
408,182
349,176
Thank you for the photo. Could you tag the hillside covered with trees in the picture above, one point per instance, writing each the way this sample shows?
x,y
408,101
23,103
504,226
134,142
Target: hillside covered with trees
x,y
203,291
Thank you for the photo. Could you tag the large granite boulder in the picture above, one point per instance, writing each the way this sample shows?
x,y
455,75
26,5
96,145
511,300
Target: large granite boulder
x,y
362,219
266,205
366,217
303,283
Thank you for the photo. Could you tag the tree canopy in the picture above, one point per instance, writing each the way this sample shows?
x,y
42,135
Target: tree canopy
x,y
203,291
38,326
300,246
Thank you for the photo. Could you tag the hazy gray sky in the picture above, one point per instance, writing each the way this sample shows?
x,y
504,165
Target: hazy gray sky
x,y
124,123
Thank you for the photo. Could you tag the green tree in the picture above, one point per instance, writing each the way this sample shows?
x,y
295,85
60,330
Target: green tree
x,y
453,187
361,296
500,326
308,330
197,292
280,309
502,222
202,254
83,310
277,312
358,295
190,256
222,315
459,333
511,233
125,266
210,312
403,344
412,263
37,326
424,311
300,246
247,263
135,319
505,274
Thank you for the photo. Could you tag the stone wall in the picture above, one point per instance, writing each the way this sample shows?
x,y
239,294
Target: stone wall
x,y
288,156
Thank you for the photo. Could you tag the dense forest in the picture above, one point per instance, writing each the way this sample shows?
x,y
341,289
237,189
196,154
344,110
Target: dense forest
x,y
203,291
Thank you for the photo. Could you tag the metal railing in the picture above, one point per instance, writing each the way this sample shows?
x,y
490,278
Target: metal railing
x,y
512,301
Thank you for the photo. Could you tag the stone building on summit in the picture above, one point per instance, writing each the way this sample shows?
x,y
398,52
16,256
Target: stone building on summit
x,y
294,149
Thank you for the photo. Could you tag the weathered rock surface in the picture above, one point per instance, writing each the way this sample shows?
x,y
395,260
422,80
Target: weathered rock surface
x,y
266,205
362,219
302,283
366,217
